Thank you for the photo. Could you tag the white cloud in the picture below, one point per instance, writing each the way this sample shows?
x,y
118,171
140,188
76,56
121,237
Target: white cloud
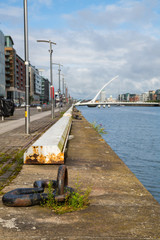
x,y
48,3
99,43
11,15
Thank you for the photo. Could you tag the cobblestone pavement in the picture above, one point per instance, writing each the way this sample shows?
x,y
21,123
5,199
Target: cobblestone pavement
x,y
16,141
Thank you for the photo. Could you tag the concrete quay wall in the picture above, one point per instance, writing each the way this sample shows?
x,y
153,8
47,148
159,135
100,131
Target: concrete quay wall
x,y
120,206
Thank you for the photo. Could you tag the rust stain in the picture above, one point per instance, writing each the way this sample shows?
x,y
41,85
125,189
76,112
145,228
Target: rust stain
x,y
22,202
37,158
101,139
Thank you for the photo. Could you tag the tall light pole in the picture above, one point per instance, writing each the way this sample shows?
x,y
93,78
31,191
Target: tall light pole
x,y
59,70
62,84
51,79
27,107
65,90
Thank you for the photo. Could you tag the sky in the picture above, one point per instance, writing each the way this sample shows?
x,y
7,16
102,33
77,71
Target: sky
x,y
95,41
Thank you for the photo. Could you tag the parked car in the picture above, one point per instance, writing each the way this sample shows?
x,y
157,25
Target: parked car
x,y
17,105
23,104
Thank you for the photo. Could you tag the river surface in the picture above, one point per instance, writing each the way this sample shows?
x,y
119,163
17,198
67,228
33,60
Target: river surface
x,y
134,134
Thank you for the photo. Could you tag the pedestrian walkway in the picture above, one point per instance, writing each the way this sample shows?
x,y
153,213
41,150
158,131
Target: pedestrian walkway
x,y
121,208
10,125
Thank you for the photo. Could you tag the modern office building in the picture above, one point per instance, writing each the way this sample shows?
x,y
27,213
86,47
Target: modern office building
x,y
157,93
44,90
35,84
124,97
2,66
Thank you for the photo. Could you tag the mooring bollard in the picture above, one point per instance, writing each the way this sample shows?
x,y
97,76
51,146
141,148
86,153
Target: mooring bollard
x,y
76,116
24,197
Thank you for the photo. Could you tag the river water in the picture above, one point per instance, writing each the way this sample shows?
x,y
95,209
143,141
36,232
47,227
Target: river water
x,y
134,134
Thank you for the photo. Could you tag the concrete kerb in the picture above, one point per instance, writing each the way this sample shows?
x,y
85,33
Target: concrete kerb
x,y
50,147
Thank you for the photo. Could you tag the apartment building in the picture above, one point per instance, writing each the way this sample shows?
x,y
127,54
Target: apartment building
x,y
10,59
14,73
2,66
133,98
20,79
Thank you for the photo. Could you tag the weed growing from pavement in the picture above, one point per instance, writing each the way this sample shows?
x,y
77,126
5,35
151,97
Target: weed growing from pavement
x,y
98,128
4,157
61,113
76,200
16,158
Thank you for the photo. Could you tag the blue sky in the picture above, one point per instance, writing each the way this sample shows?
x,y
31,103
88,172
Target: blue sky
x,y
96,40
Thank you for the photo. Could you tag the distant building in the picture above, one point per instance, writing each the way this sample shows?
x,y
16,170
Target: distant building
x,y
102,96
134,98
152,96
110,99
144,97
124,97
2,66
35,84
157,93
44,98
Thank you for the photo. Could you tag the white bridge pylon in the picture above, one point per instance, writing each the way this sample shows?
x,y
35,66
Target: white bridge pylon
x,y
106,84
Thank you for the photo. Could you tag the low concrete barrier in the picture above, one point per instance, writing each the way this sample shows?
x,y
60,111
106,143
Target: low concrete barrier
x,y
49,148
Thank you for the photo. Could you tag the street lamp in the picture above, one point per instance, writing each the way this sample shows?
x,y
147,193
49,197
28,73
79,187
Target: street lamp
x,y
27,107
41,71
62,84
51,79
59,90
65,89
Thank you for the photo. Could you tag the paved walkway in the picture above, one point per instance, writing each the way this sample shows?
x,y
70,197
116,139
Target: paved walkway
x,y
7,126
121,208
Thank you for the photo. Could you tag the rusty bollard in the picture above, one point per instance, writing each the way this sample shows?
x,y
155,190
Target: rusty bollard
x,y
24,197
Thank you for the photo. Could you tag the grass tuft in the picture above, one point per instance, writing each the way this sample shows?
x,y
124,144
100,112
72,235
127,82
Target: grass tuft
x,y
75,201
98,128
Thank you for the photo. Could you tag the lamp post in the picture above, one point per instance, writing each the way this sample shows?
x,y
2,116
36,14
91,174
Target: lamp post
x,y
62,84
51,79
59,70
65,90
27,107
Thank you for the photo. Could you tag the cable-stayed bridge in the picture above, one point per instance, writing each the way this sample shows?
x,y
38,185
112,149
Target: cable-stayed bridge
x,y
95,103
